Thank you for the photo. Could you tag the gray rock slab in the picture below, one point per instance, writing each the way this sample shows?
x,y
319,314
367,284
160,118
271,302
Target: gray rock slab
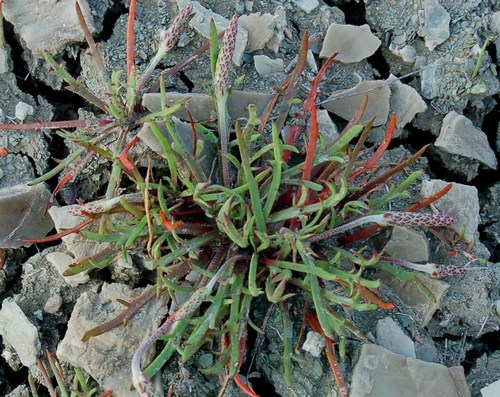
x,y
5,60
353,43
492,390
461,202
345,103
260,28
409,245
437,24
413,297
22,214
14,169
19,332
107,357
495,27
78,245
266,66
459,137
405,101
380,372
62,261
392,337
201,23
47,25
306,5
202,107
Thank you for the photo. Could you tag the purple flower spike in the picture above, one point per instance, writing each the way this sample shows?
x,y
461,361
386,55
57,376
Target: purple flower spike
x,y
171,35
224,58
416,219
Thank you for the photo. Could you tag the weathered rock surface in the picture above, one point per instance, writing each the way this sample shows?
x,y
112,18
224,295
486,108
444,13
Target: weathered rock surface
x,y
437,24
407,244
459,140
353,43
345,103
413,297
107,357
22,214
380,372
405,101
266,66
392,337
201,23
461,202
202,107
19,332
307,5
47,25
492,390
260,28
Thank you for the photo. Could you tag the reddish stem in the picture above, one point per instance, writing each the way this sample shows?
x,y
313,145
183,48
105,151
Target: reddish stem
x,y
371,163
39,125
130,39
57,236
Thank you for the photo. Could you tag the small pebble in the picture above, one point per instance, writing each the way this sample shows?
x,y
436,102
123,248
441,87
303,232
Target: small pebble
x,y
53,304
23,110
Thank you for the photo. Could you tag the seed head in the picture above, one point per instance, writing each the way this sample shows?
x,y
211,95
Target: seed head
x,y
448,271
224,58
415,219
169,37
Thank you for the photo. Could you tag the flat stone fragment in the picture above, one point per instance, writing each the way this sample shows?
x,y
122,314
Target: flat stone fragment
x,y
260,28
405,101
458,136
201,23
78,245
461,202
22,214
492,390
392,337
266,66
409,245
314,343
353,43
413,297
306,5
62,261
107,357
47,25
380,372
202,107
495,28
19,332
437,24
345,103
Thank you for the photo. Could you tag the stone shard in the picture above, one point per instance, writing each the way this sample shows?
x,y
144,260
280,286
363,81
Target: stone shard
x,y
461,202
412,296
107,357
202,106
345,103
22,214
492,390
266,66
409,245
380,372
458,136
260,28
201,23
306,5
19,332
405,102
353,43
314,343
78,245
47,25
392,337
437,24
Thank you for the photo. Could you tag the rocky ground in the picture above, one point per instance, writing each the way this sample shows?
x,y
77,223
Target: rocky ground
x,y
450,348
